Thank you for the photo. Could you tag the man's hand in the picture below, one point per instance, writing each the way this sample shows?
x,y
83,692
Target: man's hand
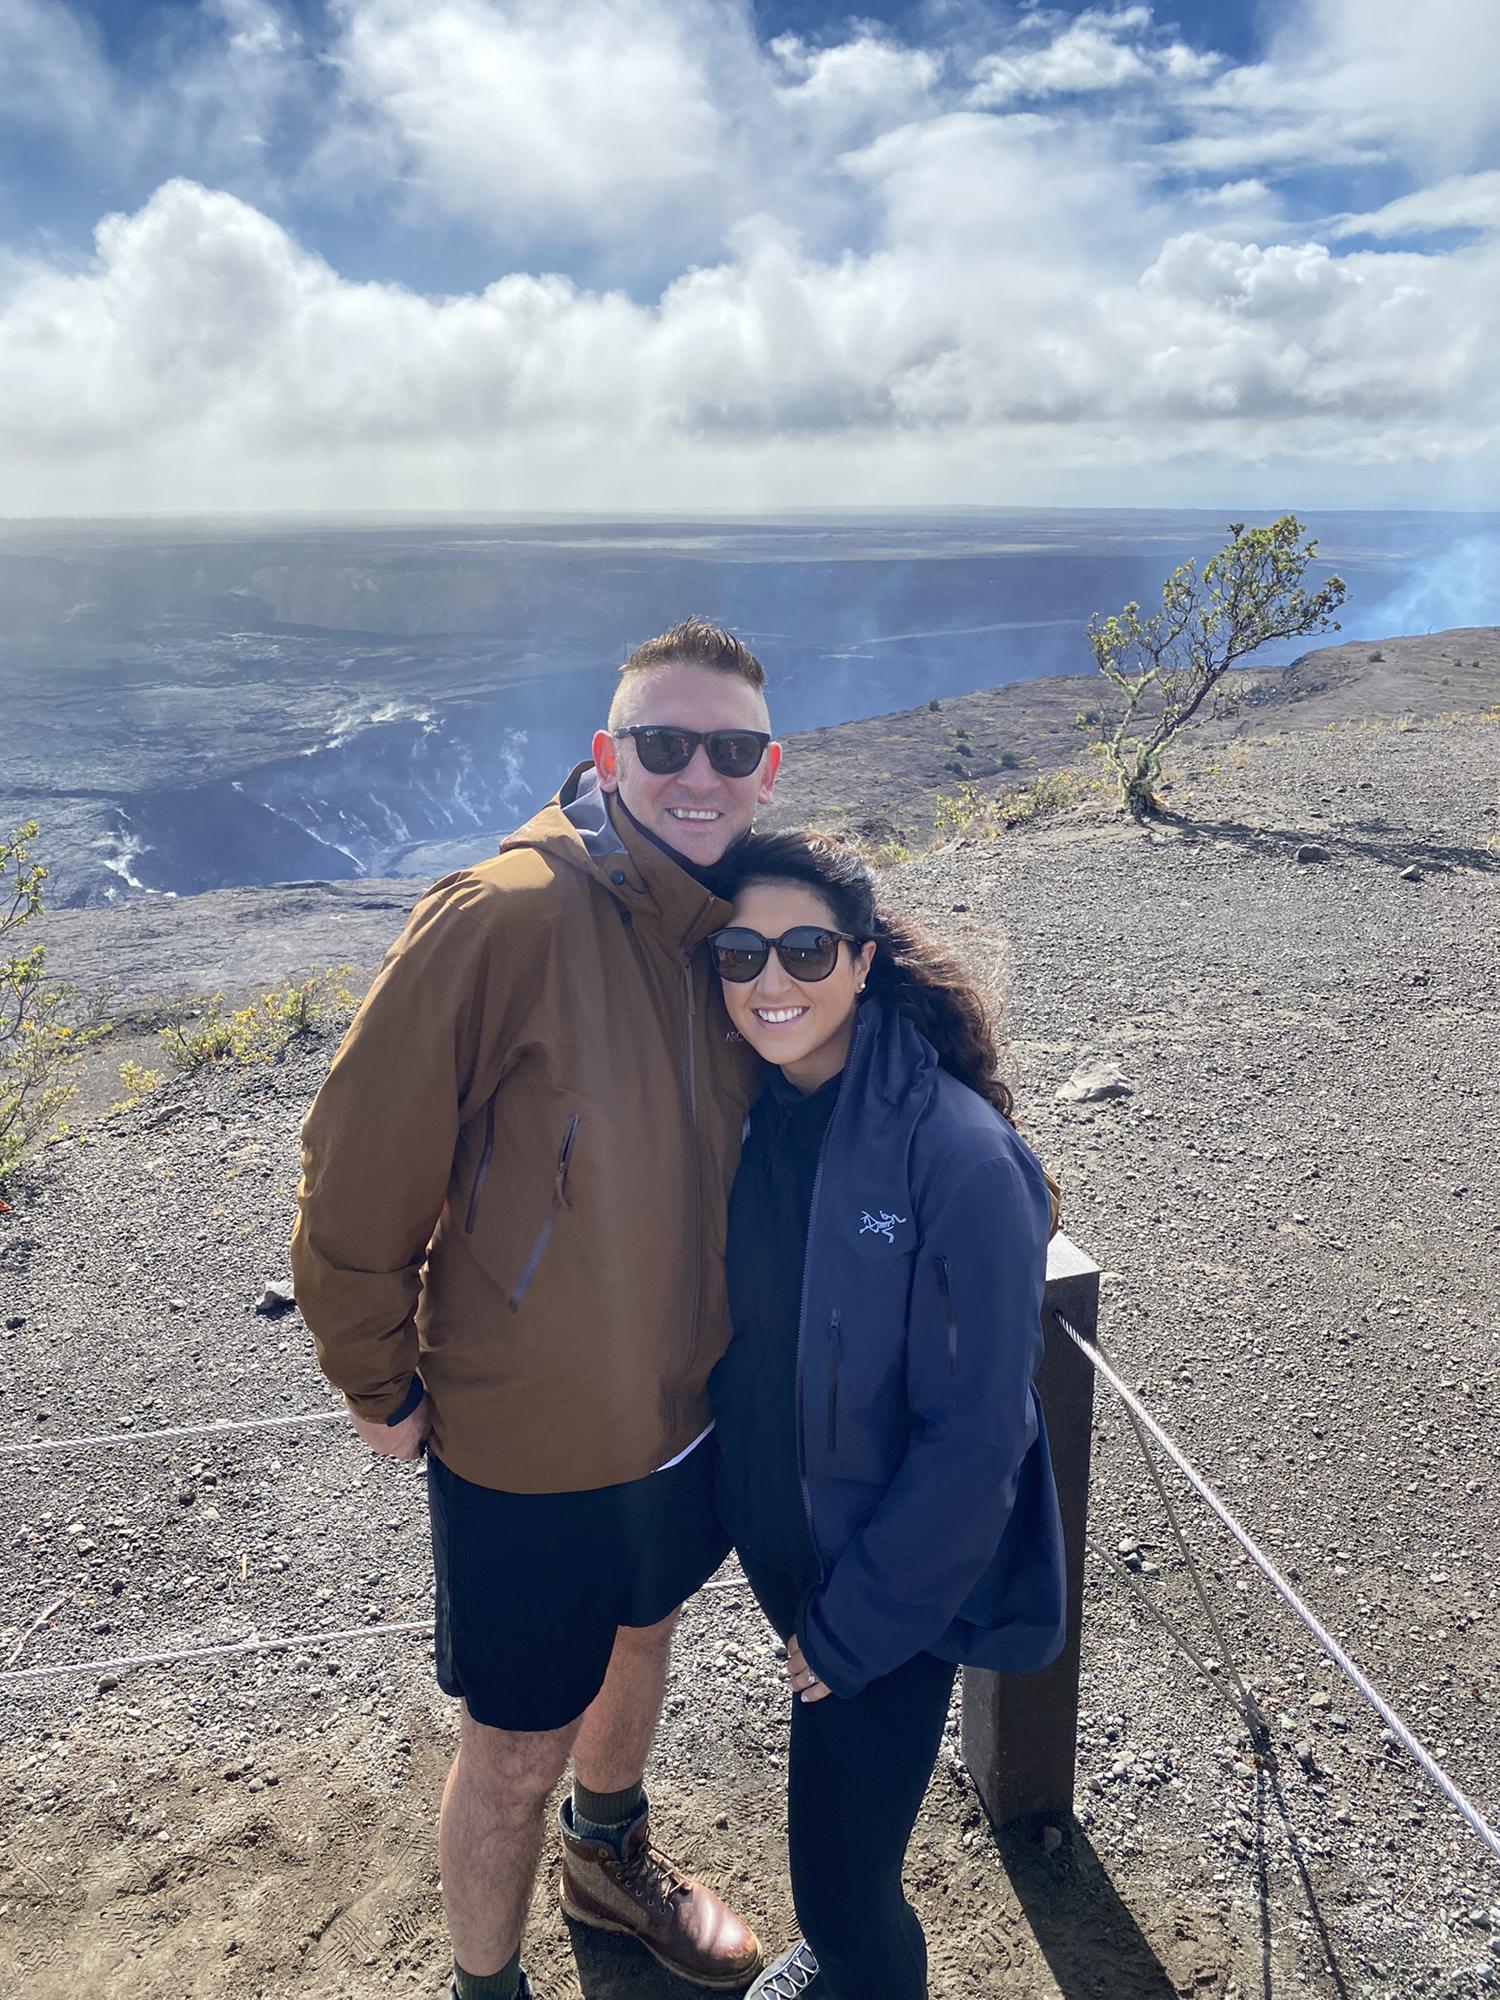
x,y
805,1683
408,1439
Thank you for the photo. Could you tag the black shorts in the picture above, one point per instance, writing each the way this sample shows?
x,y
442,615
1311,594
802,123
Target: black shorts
x,y
532,1587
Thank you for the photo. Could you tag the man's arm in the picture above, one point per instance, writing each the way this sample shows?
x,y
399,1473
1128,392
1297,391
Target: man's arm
x,y
377,1152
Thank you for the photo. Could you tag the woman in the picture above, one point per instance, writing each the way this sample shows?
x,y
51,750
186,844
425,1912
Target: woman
x,y
883,1466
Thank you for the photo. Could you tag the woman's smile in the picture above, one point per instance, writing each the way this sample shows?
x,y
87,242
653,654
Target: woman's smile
x,y
801,1025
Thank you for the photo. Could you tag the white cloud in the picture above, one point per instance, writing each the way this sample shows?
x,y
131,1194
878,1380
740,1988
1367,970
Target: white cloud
x,y
586,122
1428,72
1233,195
1091,53
212,88
1464,201
53,74
857,85
845,281
1350,81
207,360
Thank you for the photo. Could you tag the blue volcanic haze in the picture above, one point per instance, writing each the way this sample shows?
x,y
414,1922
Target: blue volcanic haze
x,y
192,705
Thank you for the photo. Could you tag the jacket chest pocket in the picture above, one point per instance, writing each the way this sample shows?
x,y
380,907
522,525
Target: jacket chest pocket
x,y
557,1201
555,1206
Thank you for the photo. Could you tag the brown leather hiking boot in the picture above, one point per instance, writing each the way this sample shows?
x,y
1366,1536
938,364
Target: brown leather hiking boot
x,y
641,1894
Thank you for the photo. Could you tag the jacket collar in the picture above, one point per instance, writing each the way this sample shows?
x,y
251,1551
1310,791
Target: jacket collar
x,y
891,1064
889,1079
582,827
888,1082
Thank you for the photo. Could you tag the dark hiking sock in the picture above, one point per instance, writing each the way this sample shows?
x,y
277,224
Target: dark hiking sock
x,y
605,1815
506,1984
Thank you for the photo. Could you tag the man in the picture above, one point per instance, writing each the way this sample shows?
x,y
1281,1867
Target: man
x,y
509,1249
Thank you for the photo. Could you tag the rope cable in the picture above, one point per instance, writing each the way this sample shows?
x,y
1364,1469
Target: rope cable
x,y
1144,1424
251,1645
1460,1802
1248,1706
217,1428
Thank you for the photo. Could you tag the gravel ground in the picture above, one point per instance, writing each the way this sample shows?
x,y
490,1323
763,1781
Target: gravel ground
x,y
1295,1210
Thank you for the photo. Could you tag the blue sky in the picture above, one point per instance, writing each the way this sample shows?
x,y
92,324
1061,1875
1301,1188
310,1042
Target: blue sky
x,y
649,253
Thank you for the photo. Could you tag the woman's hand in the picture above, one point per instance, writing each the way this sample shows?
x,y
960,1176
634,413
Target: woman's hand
x,y
805,1683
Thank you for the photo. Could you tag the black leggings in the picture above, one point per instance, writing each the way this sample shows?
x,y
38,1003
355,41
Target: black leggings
x,y
859,1768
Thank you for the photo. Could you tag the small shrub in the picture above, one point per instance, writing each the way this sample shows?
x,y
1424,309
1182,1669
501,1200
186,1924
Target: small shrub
x,y
261,1032
1162,669
192,1038
888,854
45,1026
1376,657
957,811
1009,760
968,810
138,1081
1052,792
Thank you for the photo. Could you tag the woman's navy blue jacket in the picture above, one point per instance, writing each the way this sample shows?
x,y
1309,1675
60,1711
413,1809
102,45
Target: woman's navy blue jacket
x,y
925,1467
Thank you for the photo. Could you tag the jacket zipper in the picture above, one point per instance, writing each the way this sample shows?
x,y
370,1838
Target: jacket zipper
x,y
812,1216
833,1381
555,1208
690,1085
945,1286
484,1164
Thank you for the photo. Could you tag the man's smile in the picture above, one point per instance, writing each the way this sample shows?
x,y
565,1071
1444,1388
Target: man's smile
x,y
694,812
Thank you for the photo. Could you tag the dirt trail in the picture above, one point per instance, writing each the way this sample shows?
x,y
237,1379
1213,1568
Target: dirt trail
x,y
1295,1208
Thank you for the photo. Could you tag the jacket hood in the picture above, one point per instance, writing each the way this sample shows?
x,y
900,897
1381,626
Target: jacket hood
x,y
889,1078
580,827
891,1064
574,825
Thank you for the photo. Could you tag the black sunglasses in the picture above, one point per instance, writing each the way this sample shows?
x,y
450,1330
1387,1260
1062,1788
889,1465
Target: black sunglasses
x,y
806,951
663,748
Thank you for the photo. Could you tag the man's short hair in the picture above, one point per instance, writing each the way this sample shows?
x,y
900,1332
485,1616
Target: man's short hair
x,y
693,642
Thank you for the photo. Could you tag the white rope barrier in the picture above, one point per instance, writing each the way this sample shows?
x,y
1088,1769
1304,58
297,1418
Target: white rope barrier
x,y
1423,1757
252,1645
218,1428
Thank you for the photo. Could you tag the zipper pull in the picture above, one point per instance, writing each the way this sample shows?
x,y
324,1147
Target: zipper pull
x,y
560,1178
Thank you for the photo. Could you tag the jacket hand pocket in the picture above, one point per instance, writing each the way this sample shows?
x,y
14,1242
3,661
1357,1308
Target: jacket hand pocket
x,y
555,1208
950,1312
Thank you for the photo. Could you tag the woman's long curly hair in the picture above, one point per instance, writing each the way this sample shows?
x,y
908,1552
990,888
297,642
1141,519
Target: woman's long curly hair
x,y
909,972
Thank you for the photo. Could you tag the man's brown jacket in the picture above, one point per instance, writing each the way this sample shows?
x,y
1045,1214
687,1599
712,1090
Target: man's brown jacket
x,y
516,1176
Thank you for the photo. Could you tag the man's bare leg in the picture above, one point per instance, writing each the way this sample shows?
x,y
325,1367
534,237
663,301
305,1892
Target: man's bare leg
x,y
615,1736
688,1928
490,1835
490,1829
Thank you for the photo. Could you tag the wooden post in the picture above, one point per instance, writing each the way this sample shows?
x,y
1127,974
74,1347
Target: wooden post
x,y
1020,1731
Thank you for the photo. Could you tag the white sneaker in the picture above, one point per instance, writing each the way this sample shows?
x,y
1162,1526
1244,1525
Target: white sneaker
x,y
789,1978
